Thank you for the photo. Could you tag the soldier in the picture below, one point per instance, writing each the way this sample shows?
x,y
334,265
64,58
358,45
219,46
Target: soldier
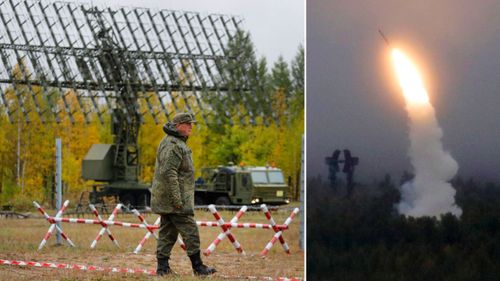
x,y
172,195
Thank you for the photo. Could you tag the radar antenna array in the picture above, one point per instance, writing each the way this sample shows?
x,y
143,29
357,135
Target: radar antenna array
x,y
113,59
62,59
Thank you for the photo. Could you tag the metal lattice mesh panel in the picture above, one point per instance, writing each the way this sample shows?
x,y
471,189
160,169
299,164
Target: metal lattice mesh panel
x,y
117,59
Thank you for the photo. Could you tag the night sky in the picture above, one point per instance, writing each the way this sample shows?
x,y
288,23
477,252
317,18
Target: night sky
x,y
354,100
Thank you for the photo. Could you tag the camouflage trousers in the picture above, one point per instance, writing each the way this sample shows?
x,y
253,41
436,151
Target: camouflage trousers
x,y
170,227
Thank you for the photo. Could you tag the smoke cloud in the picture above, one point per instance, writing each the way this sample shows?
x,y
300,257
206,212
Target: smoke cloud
x,y
429,193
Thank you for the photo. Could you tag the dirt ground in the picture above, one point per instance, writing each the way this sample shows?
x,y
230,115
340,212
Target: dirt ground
x,y
19,240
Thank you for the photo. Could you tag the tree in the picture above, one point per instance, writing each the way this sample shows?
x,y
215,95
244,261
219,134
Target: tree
x,y
297,99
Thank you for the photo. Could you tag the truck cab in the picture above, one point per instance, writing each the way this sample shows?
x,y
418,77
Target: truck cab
x,y
237,185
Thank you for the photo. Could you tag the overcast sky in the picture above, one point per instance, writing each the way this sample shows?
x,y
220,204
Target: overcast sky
x,y
276,27
354,101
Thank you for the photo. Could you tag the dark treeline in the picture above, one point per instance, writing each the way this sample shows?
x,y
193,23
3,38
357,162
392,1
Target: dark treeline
x,y
364,238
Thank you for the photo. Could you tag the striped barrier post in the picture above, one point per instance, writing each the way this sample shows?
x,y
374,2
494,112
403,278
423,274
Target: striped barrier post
x,y
104,225
181,243
276,230
226,231
151,229
145,223
53,224
279,233
146,237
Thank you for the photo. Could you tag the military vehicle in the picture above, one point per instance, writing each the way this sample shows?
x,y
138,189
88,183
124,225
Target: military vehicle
x,y
223,185
99,166
240,185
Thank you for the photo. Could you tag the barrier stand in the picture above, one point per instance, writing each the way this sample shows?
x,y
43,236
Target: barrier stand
x,y
151,229
148,227
146,237
181,243
226,230
53,224
145,223
279,234
225,226
104,225
275,228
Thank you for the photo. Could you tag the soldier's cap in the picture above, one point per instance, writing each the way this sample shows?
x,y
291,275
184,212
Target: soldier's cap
x,y
183,117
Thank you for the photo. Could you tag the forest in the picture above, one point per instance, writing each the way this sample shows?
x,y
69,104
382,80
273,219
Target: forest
x,y
27,150
362,237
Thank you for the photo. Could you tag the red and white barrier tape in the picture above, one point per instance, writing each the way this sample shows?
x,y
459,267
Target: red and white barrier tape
x,y
266,278
241,225
152,272
78,267
135,225
108,222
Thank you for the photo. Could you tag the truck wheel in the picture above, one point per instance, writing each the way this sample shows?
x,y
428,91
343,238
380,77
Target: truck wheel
x,y
223,200
141,201
198,200
127,199
94,197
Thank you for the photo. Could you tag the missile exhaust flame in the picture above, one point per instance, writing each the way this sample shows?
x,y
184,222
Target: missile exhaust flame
x,y
429,193
409,79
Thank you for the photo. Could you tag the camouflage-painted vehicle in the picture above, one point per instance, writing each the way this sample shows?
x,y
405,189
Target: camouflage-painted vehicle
x,y
237,185
111,180
223,185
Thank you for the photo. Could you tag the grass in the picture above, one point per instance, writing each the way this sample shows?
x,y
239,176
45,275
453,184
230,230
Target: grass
x,y
19,240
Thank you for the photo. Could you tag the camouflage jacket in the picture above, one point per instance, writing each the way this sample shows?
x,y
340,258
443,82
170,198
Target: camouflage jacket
x,y
173,181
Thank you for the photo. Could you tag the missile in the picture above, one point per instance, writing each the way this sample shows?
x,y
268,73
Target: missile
x,y
383,37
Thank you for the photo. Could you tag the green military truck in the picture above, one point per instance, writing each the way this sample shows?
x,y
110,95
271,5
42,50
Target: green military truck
x,y
225,185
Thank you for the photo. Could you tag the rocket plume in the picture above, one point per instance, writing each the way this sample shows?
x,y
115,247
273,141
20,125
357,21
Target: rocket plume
x,y
429,193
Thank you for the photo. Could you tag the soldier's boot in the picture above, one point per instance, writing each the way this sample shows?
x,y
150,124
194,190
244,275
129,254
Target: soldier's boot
x,y
163,268
198,267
